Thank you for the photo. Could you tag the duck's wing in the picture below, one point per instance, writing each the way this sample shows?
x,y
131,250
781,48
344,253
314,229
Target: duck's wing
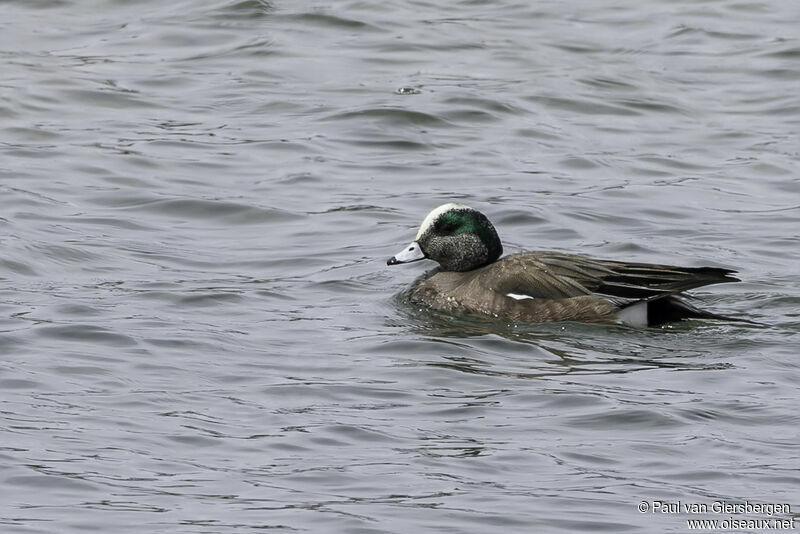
x,y
531,275
557,275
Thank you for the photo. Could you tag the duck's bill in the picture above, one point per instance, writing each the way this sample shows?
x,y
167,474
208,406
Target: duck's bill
x,y
412,252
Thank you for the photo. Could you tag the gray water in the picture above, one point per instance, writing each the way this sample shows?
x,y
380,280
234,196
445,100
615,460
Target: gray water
x,y
197,326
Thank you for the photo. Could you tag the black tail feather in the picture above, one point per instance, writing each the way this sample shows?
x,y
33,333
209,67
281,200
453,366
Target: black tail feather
x,y
671,308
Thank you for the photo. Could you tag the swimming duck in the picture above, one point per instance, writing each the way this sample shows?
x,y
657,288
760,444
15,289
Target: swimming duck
x,y
543,286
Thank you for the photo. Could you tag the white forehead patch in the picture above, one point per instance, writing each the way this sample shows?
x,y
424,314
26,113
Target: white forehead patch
x,y
433,215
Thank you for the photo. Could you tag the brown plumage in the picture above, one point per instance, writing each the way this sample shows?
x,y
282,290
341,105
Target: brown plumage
x,y
544,286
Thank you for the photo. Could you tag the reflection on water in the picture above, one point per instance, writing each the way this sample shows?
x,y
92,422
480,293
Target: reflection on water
x,y
496,347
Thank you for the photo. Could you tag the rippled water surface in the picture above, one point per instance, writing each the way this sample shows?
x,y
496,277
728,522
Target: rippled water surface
x,y
198,329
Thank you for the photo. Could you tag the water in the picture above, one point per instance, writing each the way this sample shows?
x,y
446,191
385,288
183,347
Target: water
x,y
198,329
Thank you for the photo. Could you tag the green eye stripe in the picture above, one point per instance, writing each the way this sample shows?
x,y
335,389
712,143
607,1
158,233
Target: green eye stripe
x,y
463,223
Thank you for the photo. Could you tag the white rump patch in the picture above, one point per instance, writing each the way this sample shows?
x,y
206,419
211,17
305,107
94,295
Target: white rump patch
x,y
517,296
634,315
431,217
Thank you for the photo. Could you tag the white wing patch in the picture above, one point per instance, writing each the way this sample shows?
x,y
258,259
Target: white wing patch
x,y
431,217
517,296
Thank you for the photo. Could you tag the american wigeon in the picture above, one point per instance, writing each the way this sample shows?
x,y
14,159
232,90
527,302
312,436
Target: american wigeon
x,y
543,286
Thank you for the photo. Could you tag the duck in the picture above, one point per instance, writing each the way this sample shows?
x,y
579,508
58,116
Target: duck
x,y
543,286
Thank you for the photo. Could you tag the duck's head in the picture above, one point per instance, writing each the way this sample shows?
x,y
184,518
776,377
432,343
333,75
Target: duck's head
x,y
458,237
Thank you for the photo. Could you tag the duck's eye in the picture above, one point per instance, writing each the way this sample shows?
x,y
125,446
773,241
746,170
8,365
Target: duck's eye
x,y
446,227
410,249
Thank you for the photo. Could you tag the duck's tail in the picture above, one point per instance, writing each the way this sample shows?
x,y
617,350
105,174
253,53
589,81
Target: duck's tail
x,y
666,308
